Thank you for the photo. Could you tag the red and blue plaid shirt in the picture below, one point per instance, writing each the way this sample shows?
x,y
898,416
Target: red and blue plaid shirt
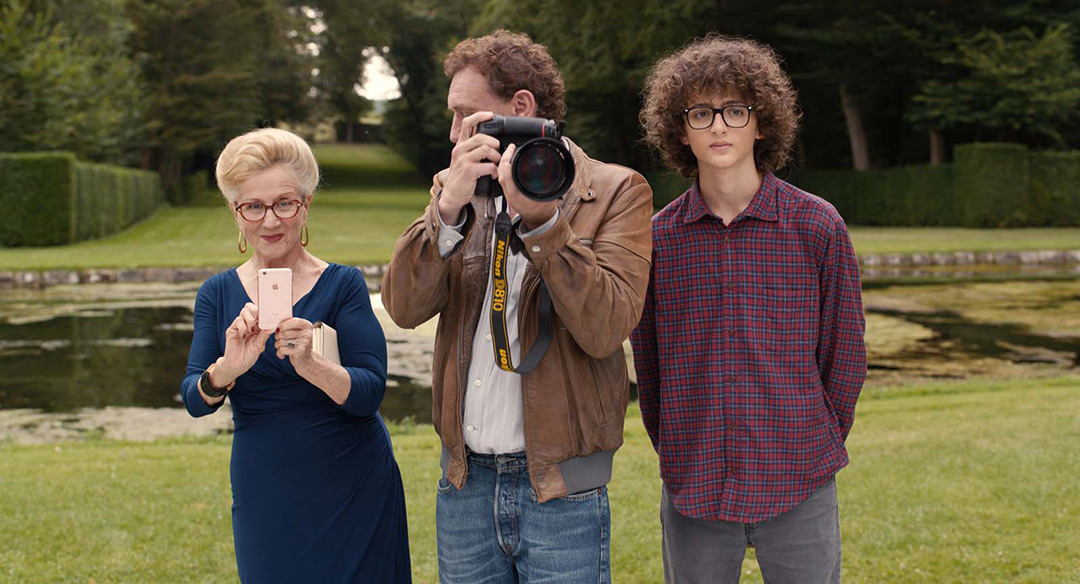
x,y
750,352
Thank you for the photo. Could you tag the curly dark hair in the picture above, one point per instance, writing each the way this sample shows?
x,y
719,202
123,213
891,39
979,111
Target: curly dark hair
x,y
719,64
512,62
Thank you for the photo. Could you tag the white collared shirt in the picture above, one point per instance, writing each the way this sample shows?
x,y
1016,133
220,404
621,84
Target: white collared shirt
x,y
492,420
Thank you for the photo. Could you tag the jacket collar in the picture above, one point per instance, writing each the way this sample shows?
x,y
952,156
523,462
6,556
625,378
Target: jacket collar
x,y
582,185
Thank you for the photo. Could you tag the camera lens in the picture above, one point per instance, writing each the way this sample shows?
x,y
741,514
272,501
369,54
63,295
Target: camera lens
x,y
540,169
543,169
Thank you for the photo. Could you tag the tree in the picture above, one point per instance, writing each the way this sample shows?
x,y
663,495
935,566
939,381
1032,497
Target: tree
x,y
1007,87
604,50
284,69
850,49
417,36
67,81
346,34
210,66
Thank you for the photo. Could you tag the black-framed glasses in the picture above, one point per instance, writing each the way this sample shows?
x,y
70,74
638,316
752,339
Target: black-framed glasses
x,y
701,117
283,208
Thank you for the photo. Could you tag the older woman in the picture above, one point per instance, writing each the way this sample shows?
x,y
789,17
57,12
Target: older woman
x,y
317,495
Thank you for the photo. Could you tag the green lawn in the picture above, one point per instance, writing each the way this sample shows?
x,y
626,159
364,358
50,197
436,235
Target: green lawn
x,y
359,226
346,226
370,194
365,165
367,198
968,482
875,240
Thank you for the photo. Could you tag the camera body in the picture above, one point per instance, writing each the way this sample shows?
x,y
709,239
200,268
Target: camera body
x,y
542,167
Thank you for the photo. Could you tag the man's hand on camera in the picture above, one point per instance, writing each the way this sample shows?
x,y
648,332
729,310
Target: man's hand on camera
x,y
533,213
474,156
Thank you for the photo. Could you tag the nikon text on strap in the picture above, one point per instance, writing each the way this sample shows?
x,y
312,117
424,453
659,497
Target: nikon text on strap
x,y
500,294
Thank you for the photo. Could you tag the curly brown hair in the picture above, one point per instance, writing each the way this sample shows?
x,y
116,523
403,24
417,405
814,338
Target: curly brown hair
x,y
716,65
512,62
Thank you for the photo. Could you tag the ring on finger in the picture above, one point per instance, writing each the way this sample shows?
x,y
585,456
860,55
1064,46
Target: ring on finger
x,y
290,345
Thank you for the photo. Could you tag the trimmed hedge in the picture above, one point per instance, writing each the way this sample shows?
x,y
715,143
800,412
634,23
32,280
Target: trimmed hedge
x,y
987,185
1054,195
37,194
991,184
53,199
908,195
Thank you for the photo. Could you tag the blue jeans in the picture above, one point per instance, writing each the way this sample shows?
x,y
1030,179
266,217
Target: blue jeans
x,y
494,531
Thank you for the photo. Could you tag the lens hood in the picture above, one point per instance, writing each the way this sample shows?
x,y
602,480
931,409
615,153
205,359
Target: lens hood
x,y
542,168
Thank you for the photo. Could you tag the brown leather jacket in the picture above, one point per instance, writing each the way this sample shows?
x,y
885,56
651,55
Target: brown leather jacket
x,y
595,261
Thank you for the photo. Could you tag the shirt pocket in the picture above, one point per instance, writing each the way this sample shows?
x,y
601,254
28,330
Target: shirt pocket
x,y
790,314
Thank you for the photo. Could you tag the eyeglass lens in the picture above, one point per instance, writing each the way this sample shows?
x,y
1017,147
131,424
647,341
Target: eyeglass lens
x,y
283,209
702,117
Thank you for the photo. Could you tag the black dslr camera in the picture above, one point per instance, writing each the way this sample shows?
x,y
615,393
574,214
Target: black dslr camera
x,y
542,168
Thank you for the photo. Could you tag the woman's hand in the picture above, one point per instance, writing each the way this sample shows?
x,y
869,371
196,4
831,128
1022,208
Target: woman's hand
x,y
293,340
244,342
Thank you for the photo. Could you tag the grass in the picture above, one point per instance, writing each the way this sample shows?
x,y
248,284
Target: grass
x,y
370,194
879,240
964,482
365,165
346,226
368,197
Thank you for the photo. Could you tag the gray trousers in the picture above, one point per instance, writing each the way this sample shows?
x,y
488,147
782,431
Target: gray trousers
x,y
799,546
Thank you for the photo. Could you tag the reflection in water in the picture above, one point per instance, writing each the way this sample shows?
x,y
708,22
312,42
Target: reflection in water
x,y
126,357
107,354
122,357
406,399
1001,341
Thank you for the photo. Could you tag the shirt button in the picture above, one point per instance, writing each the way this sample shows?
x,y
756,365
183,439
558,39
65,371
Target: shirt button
x,y
487,337
731,286
470,428
731,332
477,383
449,242
731,425
535,248
730,378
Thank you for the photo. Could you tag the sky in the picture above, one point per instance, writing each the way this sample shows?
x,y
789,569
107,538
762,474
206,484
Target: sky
x,y
379,82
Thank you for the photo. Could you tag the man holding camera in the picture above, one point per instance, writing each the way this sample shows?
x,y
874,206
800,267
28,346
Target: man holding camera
x,y
528,434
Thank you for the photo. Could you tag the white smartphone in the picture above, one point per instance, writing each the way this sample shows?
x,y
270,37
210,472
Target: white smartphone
x,y
275,297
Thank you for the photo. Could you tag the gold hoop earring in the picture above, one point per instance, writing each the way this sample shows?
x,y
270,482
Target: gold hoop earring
x,y
303,235
241,243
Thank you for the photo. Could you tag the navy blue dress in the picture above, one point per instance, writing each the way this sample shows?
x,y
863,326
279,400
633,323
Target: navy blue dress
x,y
317,494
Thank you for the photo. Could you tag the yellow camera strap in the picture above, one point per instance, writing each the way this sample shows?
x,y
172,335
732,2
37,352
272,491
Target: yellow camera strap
x,y
500,294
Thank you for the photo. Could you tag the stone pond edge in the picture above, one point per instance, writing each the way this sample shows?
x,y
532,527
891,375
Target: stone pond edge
x,y
873,265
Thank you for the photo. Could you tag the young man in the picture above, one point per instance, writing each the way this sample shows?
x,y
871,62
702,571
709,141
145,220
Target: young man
x,y
750,353
525,457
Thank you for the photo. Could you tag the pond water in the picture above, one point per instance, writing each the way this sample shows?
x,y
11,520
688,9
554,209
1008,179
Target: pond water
x,y
92,346
95,358
126,357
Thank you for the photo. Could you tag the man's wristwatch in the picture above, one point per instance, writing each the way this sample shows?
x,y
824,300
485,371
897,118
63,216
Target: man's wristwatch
x,y
208,388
